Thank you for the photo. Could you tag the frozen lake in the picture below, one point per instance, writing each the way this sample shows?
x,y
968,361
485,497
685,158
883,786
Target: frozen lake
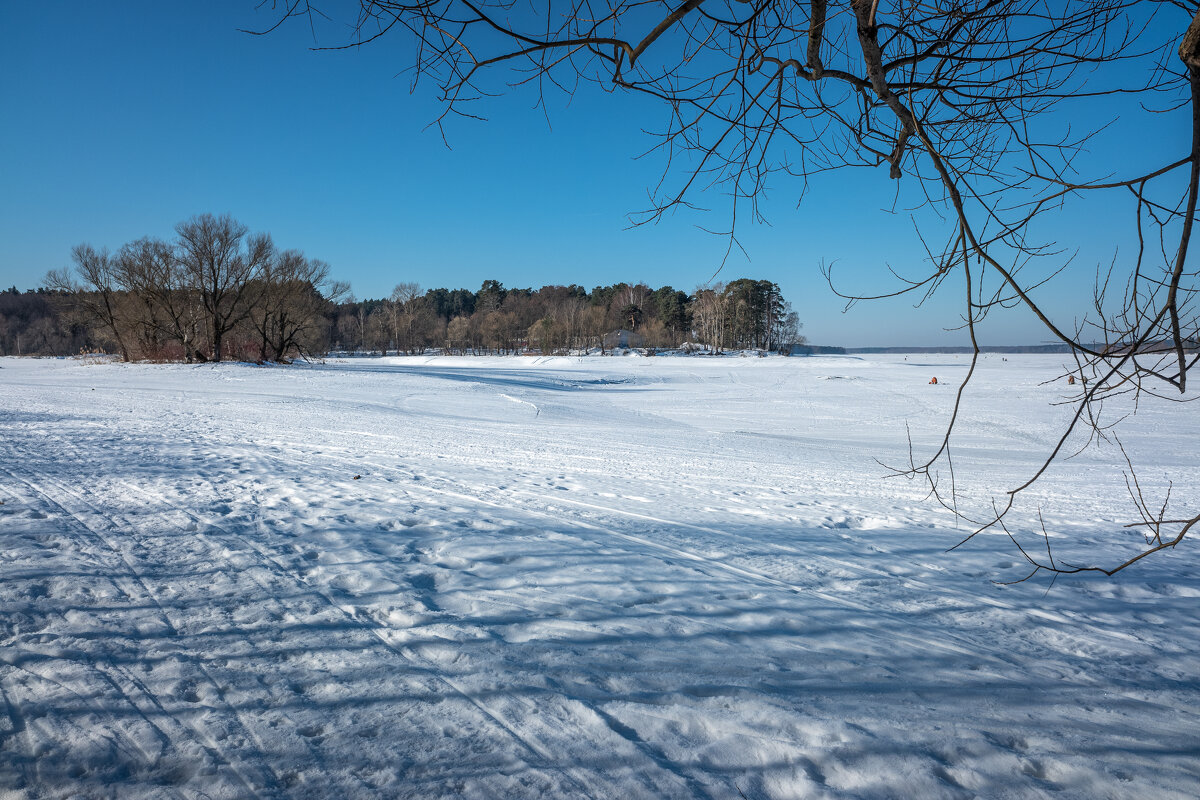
x,y
561,577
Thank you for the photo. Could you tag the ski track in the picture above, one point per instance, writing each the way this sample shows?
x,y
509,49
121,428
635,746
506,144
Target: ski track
x,y
950,642
665,526
412,586
53,493
133,588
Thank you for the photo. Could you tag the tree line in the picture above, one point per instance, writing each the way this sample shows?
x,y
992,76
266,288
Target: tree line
x,y
556,319
31,324
218,292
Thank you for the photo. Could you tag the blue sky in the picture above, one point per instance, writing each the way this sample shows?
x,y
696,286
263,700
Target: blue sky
x,y
118,120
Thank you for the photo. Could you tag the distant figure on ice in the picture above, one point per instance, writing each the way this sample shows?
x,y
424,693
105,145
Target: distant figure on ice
x,y
1070,380
933,380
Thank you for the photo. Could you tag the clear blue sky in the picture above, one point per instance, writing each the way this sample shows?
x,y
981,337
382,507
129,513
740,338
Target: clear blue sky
x,y
118,120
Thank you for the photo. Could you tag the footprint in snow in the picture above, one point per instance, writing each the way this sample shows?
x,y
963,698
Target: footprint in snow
x,y
186,691
424,582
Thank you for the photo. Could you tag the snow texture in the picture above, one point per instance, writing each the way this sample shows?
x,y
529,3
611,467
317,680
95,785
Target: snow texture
x,y
593,578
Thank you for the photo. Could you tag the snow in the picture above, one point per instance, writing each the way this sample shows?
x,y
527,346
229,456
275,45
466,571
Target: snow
x,y
585,577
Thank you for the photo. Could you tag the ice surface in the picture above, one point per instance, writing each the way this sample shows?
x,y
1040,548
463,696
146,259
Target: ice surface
x,y
595,578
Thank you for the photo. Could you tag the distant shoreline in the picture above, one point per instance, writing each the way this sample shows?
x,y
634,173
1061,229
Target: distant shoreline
x,y
825,350
1008,349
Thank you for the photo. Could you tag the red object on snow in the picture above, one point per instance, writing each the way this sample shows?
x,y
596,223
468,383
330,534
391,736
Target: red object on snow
x,y
933,380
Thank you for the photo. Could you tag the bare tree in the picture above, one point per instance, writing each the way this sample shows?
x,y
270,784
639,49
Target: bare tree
x,y
405,293
786,332
222,270
352,326
709,314
952,98
403,316
289,312
568,316
167,303
99,296
458,335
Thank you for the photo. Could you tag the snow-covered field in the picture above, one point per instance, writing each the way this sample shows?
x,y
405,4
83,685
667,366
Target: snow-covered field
x,y
595,578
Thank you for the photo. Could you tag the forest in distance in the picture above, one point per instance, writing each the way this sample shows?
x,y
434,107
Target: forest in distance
x,y
218,292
